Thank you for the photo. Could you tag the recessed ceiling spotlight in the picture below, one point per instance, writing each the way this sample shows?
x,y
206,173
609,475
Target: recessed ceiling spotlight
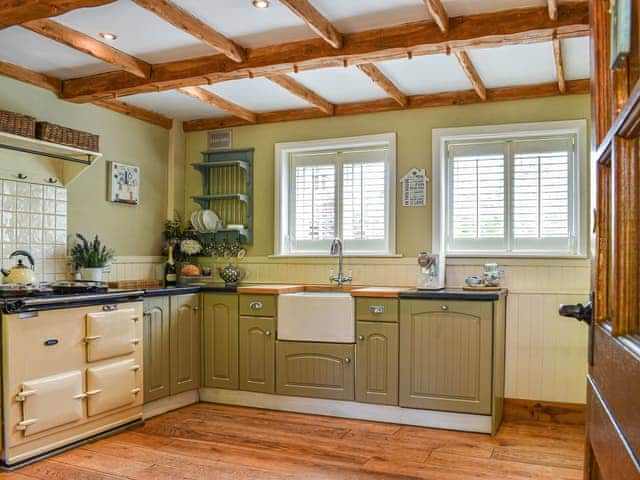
x,y
261,3
108,36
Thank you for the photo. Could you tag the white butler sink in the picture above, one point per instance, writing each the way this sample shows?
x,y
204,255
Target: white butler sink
x,y
316,317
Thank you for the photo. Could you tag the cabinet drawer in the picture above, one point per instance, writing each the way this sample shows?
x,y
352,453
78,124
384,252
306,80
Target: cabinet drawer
x,y
112,386
377,309
111,334
321,370
50,402
258,305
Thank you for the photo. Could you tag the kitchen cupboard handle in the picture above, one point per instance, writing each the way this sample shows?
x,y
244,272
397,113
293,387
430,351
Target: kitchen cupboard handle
x,y
146,314
444,307
93,337
93,392
347,360
195,308
25,423
135,368
22,396
135,391
360,337
267,333
80,396
110,307
376,309
135,318
135,341
255,305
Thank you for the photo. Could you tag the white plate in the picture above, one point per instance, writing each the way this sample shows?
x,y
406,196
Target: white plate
x,y
194,219
209,220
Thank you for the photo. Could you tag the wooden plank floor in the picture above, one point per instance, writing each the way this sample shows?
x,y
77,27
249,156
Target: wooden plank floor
x,y
207,441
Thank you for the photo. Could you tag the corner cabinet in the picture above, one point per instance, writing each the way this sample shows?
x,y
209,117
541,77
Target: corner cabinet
x,y
447,358
185,343
220,340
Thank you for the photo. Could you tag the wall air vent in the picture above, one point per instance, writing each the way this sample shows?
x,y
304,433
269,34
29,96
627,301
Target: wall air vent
x,y
219,139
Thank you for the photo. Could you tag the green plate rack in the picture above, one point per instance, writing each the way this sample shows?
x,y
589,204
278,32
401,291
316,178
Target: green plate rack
x,y
227,189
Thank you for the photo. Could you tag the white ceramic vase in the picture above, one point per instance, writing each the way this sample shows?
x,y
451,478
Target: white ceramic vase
x,y
91,274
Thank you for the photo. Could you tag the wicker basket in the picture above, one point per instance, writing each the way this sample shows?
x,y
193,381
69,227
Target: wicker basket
x,y
17,124
51,132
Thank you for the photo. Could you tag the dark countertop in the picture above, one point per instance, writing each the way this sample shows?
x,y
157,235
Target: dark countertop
x,y
453,294
185,289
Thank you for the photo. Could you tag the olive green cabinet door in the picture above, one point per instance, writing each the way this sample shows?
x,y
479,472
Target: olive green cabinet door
x,y
156,347
377,363
446,355
220,315
321,370
186,358
257,354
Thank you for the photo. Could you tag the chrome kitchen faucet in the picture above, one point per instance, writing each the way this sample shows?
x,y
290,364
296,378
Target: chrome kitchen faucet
x,y
336,249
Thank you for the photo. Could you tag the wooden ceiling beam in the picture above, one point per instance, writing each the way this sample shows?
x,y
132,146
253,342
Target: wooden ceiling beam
x,y
186,22
14,12
318,23
574,87
552,6
205,96
86,44
136,112
557,54
306,94
29,76
525,25
472,73
438,13
380,79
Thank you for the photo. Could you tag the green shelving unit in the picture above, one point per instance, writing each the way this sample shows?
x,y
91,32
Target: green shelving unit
x,y
227,189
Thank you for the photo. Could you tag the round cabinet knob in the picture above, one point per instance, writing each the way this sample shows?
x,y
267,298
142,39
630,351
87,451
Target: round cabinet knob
x,y
360,337
347,360
444,307
196,308
267,333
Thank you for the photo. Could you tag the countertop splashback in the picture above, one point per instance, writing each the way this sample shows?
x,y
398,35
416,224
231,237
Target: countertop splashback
x,y
34,218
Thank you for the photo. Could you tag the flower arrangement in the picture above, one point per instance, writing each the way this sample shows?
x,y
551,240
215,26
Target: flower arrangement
x,y
91,254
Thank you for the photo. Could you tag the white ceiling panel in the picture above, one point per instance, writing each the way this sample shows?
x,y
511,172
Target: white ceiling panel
x,y
514,64
426,74
174,104
140,32
575,52
38,53
357,15
340,85
247,25
257,94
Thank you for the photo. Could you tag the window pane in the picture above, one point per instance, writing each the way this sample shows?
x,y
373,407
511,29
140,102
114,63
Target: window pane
x,y
477,192
364,196
315,202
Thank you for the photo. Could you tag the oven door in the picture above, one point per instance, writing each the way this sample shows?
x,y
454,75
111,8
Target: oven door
x,y
113,386
111,333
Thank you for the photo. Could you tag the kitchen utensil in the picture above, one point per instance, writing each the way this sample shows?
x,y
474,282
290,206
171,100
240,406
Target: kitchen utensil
x,y
20,274
473,281
431,273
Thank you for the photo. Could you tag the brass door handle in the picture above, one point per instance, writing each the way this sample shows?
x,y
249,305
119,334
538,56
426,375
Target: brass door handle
x,y
91,338
347,360
255,305
267,333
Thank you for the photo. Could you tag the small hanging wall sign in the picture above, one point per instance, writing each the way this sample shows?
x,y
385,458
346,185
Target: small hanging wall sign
x,y
414,188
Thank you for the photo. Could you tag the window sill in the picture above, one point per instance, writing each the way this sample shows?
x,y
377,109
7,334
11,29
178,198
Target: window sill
x,y
549,255
326,255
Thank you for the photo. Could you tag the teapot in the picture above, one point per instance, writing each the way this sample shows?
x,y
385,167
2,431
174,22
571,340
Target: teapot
x,y
20,273
230,274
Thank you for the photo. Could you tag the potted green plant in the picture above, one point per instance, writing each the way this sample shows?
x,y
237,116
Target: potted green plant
x,y
90,257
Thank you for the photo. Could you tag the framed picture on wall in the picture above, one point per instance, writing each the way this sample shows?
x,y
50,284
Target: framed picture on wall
x,y
124,183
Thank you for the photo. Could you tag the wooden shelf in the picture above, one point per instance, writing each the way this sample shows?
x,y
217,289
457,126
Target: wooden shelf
x,y
231,163
18,143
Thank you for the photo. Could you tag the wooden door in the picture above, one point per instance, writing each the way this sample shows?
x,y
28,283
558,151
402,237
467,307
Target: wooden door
x,y
257,354
157,373
613,387
186,357
446,355
377,363
321,370
220,322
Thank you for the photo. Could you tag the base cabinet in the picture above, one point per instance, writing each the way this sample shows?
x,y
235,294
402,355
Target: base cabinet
x,y
257,354
156,325
377,363
186,342
446,355
321,370
220,325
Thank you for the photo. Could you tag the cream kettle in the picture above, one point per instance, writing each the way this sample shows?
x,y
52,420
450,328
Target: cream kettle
x,y
20,273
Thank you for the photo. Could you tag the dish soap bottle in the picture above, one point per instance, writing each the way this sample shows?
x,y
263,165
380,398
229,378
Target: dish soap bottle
x,y
170,276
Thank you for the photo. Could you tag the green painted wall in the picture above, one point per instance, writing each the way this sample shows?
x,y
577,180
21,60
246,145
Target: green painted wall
x,y
131,230
413,128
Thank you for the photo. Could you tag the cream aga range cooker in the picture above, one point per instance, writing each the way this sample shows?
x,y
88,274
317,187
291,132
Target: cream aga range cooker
x,y
71,365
